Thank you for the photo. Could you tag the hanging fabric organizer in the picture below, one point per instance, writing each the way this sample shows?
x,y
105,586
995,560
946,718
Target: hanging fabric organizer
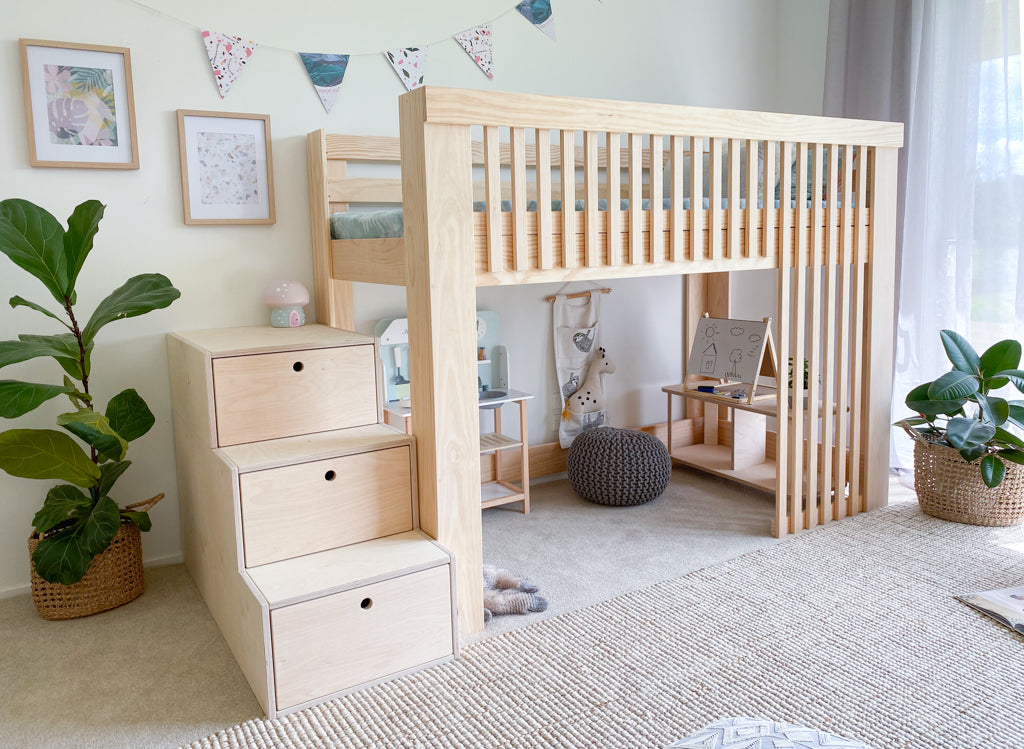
x,y
577,339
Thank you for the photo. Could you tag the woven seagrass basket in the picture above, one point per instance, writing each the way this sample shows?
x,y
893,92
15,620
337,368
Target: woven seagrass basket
x,y
113,579
950,488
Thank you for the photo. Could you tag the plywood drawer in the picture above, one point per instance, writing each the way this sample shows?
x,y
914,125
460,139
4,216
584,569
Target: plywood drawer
x,y
308,507
343,640
283,394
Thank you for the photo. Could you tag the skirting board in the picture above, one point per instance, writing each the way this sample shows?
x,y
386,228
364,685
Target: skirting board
x,y
161,561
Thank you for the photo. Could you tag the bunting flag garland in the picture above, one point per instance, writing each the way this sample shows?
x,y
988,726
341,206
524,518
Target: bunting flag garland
x,y
538,12
477,43
410,64
228,56
326,71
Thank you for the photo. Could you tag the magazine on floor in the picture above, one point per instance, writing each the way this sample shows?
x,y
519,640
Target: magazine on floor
x,y
1005,605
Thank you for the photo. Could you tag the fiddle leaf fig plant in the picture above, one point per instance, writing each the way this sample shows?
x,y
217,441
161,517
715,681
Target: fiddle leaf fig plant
x,y
78,518
959,410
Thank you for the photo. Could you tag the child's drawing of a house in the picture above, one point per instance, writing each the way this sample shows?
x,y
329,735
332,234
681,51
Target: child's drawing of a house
x,y
708,359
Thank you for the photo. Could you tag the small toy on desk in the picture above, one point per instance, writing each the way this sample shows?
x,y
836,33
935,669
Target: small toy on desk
x,y
706,388
286,300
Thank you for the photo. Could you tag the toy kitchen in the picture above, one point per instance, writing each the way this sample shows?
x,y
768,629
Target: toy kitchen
x,y
505,478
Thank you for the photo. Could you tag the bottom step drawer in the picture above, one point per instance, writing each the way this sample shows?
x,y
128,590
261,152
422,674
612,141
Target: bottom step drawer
x,y
346,639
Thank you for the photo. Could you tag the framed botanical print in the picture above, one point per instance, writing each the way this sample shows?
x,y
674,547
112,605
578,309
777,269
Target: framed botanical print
x,y
79,105
227,170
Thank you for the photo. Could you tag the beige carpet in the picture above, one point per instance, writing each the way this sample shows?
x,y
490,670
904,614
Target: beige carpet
x,y
851,628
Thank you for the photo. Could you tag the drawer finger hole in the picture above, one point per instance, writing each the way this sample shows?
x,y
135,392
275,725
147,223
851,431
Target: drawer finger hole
x,y
297,366
366,604
330,476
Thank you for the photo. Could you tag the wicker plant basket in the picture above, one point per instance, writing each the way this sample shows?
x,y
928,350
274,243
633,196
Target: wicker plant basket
x,y
950,488
113,579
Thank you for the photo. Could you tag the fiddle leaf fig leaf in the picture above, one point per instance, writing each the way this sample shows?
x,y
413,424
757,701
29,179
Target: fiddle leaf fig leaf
x,y
953,385
65,556
94,429
109,473
62,347
140,519
46,454
963,432
137,296
32,238
83,224
129,415
63,502
17,301
960,352
18,398
992,471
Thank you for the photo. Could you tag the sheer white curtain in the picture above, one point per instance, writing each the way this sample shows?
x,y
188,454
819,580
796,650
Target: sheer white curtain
x,y
950,71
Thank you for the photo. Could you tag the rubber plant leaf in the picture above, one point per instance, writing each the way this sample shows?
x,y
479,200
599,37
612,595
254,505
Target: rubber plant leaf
x,y
83,224
65,556
34,240
1000,356
960,352
129,415
1016,456
963,432
992,471
62,347
17,301
918,400
94,429
953,385
46,454
110,473
137,296
1016,415
1009,438
18,398
62,503
995,409
1016,376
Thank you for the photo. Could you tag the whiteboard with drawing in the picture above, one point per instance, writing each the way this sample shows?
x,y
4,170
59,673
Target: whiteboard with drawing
x,y
729,349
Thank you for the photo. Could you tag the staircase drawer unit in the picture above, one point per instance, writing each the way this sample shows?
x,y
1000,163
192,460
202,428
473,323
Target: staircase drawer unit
x,y
309,507
299,513
341,641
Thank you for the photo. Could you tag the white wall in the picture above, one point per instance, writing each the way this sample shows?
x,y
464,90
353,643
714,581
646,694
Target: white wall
x,y
675,51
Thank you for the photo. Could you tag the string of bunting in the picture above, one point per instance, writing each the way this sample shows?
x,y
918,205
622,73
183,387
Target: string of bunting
x,y
230,54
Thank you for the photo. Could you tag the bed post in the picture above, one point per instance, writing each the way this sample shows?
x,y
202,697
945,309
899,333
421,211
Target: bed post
x,y
334,305
879,327
437,186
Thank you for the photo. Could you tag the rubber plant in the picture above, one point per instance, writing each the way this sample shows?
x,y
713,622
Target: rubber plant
x,y
959,410
78,518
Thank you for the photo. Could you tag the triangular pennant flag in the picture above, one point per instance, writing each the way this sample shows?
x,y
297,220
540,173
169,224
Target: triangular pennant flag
x,y
409,63
477,43
538,12
327,71
228,56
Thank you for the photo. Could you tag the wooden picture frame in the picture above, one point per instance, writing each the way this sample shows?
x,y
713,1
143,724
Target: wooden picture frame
x,y
79,105
227,168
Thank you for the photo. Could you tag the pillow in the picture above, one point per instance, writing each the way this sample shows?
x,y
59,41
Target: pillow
x,y
751,733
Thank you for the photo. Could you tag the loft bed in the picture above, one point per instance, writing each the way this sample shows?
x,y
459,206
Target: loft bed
x,y
488,211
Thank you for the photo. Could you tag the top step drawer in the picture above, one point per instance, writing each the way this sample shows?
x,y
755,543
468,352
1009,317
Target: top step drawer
x,y
285,394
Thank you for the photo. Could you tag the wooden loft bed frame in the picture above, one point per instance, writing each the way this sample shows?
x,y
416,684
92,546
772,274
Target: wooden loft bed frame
x,y
836,258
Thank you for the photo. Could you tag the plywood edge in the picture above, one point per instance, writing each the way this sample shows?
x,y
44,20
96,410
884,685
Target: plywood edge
x,y
258,456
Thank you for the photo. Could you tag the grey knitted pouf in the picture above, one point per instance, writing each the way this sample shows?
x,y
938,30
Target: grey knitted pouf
x,y
621,467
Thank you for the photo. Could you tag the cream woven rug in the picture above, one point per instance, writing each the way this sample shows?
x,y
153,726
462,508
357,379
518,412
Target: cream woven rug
x,y
851,628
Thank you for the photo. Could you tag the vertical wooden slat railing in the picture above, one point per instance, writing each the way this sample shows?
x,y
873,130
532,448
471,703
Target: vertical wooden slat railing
x,y
753,211
614,192
677,246
829,358
735,236
568,172
492,181
847,260
857,325
798,420
657,203
698,237
715,200
542,138
520,257
636,199
768,201
787,486
815,408
590,180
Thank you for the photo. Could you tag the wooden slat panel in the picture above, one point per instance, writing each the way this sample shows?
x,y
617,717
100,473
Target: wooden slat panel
x,y
796,433
371,260
614,182
829,358
768,211
715,198
814,260
657,203
334,305
697,238
734,234
544,236
784,478
518,143
750,237
843,301
677,249
858,356
492,179
590,180
365,190
636,198
568,169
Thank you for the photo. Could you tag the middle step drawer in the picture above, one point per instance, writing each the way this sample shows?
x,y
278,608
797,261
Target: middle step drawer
x,y
309,507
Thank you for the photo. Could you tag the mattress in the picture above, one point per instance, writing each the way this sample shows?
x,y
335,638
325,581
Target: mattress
x,y
387,223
